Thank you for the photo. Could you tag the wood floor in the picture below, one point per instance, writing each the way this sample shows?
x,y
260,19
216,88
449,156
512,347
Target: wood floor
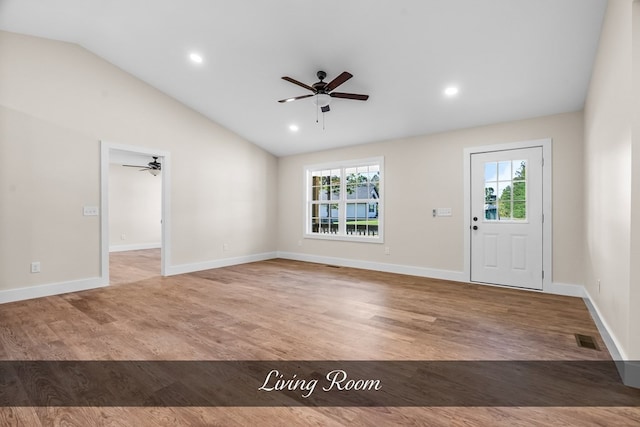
x,y
287,310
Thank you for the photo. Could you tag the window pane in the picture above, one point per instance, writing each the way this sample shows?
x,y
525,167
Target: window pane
x,y
504,171
352,192
490,193
519,210
491,171
361,211
315,225
324,177
504,190
375,190
334,218
520,190
324,210
323,193
490,212
519,170
351,213
504,209
324,217
335,192
490,199
373,210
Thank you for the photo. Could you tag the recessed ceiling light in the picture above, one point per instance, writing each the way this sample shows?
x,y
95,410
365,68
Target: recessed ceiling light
x,y
197,58
293,128
451,91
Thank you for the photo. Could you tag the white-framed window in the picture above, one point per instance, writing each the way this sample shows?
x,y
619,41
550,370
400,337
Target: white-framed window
x,y
344,200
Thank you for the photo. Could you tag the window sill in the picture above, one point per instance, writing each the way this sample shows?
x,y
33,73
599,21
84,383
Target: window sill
x,y
347,238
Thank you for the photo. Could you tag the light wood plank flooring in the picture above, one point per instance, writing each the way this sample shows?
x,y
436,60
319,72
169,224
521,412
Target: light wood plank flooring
x,y
133,266
288,310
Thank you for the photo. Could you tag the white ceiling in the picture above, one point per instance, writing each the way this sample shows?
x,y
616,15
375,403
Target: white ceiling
x,y
511,59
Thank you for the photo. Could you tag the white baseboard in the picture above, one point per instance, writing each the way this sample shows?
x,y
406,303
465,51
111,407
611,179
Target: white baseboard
x,y
565,289
610,339
630,373
456,276
432,273
629,370
134,247
225,262
37,291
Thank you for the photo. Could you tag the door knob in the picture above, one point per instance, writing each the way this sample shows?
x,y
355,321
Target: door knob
x,y
475,218
475,227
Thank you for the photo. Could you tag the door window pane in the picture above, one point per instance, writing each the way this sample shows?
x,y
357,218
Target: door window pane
x,y
505,190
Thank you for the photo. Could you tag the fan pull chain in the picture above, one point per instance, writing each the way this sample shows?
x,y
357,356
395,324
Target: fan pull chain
x,y
318,112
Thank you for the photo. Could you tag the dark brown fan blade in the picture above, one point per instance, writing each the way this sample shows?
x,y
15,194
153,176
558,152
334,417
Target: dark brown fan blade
x,y
295,82
349,96
338,81
297,97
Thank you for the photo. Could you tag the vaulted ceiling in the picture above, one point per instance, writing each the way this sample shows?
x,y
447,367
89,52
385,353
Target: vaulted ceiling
x,y
509,59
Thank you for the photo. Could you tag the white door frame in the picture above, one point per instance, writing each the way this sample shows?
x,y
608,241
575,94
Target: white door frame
x,y
105,153
547,241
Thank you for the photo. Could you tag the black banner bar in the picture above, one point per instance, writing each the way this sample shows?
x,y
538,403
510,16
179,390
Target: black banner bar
x,y
313,383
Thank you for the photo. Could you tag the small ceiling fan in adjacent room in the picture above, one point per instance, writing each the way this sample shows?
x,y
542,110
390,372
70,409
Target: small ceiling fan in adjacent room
x,y
153,167
323,92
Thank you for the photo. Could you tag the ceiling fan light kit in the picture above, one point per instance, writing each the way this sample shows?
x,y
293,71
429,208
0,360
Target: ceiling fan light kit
x,y
322,91
321,100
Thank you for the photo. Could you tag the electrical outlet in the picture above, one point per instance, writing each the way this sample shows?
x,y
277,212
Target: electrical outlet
x,y
598,285
35,267
225,247
387,250
123,236
299,242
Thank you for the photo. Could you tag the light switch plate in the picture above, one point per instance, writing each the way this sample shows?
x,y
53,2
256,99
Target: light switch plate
x,y
444,211
90,211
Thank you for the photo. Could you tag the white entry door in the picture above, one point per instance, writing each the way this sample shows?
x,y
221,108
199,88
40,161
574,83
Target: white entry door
x,y
506,217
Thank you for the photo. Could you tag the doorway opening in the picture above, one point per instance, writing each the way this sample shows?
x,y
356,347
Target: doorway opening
x,y
135,212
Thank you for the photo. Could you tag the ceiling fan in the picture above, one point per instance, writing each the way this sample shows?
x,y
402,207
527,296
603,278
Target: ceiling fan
x,y
322,91
153,166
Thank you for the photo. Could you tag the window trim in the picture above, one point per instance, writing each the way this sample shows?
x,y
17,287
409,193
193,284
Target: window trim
x,y
342,236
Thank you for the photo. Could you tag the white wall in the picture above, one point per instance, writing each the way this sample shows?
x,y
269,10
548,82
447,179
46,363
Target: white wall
x,y
42,194
135,209
426,172
608,177
58,101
